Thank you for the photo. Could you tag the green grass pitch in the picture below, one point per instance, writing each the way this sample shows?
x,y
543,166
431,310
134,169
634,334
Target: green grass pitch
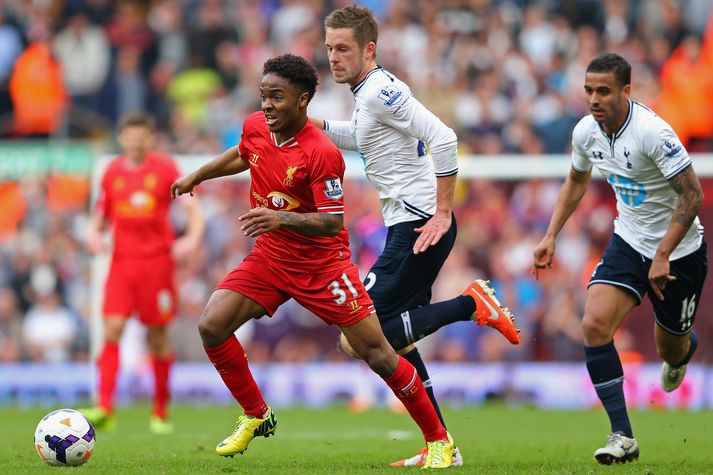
x,y
493,439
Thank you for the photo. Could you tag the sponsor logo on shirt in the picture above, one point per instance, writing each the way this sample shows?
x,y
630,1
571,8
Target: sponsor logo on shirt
x,y
282,201
390,95
334,188
259,200
630,192
598,155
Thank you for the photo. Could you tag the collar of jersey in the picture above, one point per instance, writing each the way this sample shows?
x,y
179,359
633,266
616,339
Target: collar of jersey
x,y
356,88
626,122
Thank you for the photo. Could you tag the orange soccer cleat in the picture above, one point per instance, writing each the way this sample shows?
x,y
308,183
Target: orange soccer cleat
x,y
489,311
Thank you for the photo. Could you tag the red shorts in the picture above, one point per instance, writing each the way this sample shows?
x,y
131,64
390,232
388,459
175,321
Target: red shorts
x,y
143,286
338,297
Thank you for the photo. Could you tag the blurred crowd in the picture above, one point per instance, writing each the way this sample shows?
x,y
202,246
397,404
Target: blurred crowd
x,y
46,283
505,74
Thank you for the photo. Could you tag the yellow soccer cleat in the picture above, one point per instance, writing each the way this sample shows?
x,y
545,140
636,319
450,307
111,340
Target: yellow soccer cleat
x,y
248,428
420,458
440,453
100,418
160,426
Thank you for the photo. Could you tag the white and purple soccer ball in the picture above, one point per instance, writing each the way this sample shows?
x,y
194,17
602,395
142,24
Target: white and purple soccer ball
x,y
64,437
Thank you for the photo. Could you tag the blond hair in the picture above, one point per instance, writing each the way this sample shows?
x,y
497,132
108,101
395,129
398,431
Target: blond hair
x,y
360,20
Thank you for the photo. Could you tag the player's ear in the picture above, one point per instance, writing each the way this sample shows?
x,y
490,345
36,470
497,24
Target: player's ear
x,y
371,50
303,100
626,90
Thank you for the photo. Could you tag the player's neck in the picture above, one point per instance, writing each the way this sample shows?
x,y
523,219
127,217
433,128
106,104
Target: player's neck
x,y
369,67
286,134
135,161
618,122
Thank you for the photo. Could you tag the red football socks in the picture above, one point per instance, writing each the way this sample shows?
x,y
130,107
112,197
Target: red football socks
x,y
108,364
161,371
408,387
231,362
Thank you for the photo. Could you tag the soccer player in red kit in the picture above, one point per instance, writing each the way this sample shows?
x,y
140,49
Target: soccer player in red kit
x,y
135,200
301,252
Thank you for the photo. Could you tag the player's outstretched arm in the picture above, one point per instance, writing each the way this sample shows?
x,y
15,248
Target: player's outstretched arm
x,y
340,132
259,221
570,195
227,163
690,194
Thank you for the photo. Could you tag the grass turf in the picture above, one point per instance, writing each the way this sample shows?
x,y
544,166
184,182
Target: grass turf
x,y
493,439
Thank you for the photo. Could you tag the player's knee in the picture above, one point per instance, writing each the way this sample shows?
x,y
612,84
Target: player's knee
x,y
383,361
596,330
113,328
212,334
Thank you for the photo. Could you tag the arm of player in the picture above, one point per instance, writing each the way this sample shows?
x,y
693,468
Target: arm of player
x,y
263,220
690,194
227,163
397,108
189,243
94,238
340,132
571,193
439,224
405,113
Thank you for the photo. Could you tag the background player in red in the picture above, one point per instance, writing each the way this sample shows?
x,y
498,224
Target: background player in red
x,y
135,200
301,252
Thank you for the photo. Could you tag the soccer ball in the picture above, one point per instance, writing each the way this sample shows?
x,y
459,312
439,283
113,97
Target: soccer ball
x,y
64,437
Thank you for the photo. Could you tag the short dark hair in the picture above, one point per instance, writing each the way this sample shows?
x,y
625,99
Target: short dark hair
x,y
360,19
612,63
297,70
137,119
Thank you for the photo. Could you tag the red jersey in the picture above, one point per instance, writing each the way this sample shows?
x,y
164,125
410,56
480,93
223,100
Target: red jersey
x,y
136,200
302,175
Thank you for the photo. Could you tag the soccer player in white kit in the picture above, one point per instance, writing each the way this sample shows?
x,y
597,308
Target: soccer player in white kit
x,y
392,131
657,246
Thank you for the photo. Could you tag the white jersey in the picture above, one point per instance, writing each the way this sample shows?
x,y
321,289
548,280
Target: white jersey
x,y
637,162
390,129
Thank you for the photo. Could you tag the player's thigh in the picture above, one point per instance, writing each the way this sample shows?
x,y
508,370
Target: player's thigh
x,y
119,294
617,285
676,313
225,312
368,342
400,280
337,296
114,327
156,290
158,340
257,280
623,267
605,309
